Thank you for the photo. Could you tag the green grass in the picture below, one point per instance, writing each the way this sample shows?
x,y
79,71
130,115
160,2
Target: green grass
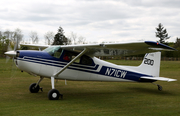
x,y
90,98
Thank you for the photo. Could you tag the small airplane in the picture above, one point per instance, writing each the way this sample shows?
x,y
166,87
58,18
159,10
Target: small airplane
x,y
78,62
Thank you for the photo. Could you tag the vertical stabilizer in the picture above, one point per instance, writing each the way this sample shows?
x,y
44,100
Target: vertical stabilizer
x,y
151,64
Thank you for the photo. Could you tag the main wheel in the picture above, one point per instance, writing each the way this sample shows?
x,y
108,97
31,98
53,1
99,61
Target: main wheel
x,y
53,94
34,89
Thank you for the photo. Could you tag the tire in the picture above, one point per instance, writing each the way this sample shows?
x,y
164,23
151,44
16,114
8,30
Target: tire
x,y
53,94
160,88
32,88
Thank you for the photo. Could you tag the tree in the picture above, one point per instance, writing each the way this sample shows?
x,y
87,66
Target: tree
x,y
34,37
49,37
162,34
177,47
73,37
10,34
12,37
60,38
177,43
9,39
17,37
4,42
81,40
0,34
77,40
7,34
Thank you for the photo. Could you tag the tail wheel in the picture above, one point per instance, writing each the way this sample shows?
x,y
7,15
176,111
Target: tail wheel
x,y
33,88
159,87
53,94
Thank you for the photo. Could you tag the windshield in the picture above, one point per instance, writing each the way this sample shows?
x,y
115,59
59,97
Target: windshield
x,y
54,51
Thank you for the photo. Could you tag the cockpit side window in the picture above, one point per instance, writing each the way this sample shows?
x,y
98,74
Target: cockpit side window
x,y
54,51
68,56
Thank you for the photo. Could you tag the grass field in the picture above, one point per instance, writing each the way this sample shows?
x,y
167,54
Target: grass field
x,y
90,98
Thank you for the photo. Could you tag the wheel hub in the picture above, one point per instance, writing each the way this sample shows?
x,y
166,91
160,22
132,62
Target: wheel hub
x,y
54,95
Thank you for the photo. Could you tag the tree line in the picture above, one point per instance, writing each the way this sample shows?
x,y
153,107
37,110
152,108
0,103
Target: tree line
x,y
9,38
163,36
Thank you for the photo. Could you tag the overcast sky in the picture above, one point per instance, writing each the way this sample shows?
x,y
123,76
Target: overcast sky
x,y
96,20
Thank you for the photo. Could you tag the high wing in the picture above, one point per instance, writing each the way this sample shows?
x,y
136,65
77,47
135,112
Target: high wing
x,y
119,49
114,49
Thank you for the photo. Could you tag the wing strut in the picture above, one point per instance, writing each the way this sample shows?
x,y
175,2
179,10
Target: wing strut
x,y
65,67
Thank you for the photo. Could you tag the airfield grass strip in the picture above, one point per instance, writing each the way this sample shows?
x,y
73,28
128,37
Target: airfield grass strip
x,y
90,98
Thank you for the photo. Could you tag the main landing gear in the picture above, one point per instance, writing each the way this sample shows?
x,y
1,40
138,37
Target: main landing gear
x,y
159,87
53,94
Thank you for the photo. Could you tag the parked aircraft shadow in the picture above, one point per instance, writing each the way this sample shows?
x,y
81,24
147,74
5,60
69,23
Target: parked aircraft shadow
x,y
151,91
78,93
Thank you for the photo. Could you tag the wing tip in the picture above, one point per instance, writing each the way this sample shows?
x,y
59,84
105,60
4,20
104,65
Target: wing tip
x,y
160,45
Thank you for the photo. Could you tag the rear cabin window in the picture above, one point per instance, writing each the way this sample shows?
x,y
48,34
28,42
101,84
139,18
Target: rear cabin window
x,y
86,60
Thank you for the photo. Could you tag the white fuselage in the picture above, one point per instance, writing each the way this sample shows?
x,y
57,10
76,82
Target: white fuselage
x,y
101,71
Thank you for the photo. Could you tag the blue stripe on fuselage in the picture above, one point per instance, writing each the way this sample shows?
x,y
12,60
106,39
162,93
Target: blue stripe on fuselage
x,y
119,73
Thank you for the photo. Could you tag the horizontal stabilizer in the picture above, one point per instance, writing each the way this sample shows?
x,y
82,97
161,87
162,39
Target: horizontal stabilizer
x,y
159,79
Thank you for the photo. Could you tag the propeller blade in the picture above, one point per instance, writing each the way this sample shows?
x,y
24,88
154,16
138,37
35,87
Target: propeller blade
x,y
12,53
13,68
7,59
16,45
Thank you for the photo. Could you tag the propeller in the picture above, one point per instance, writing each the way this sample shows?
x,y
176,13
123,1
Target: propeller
x,y
12,54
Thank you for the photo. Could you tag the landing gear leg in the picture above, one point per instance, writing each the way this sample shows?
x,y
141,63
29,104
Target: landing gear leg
x,y
54,94
41,78
159,87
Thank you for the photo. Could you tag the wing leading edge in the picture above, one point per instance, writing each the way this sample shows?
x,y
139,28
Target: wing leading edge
x,y
35,45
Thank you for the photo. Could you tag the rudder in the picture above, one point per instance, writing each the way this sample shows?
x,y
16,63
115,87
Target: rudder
x,y
151,64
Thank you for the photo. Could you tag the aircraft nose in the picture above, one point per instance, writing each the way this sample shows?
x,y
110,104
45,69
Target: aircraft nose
x,y
11,53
